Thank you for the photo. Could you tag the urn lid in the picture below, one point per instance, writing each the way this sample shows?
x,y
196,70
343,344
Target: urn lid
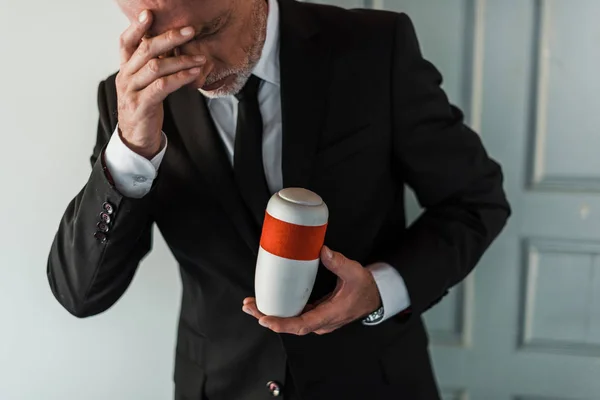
x,y
298,206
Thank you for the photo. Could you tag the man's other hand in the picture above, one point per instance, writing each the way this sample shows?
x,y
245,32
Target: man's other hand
x,y
355,296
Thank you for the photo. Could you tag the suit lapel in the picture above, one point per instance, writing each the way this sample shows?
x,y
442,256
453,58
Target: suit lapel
x,y
304,61
199,135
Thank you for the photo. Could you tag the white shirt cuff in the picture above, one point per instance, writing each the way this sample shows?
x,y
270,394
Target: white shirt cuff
x,y
132,173
392,289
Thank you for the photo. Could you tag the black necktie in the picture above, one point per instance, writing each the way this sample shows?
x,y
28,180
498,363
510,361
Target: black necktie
x,y
248,161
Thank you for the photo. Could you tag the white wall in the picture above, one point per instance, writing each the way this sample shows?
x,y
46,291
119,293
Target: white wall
x,y
52,57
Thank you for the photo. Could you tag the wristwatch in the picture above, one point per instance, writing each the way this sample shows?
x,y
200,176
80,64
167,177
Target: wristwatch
x,y
374,317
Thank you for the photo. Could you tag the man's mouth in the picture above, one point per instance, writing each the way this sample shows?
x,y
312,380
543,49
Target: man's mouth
x,y
218,84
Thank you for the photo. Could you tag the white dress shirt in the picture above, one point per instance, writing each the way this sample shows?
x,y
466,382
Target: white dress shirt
x,y
133,174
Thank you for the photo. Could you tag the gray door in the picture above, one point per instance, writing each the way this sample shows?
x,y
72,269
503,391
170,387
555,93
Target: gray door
x,y
526,324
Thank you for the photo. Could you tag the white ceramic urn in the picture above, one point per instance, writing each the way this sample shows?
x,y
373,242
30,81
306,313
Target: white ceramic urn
x,y
288,259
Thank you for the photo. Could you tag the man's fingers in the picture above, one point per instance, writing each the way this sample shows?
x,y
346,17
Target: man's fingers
x,y
131,38
158,68
320,319
158,90
311,321
157,46
250,308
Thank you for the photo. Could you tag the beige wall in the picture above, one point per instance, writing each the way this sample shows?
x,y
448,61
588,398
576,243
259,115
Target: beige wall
x,y
54,53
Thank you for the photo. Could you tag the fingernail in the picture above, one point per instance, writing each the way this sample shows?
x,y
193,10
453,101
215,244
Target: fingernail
x,y
187,31
246,310
143,17
199,59
195,71
328,253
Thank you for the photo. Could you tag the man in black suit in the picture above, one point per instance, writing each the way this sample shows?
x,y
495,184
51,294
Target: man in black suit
x,y
220,103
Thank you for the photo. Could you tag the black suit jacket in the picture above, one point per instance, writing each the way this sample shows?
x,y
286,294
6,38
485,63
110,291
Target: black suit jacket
x,y
363,115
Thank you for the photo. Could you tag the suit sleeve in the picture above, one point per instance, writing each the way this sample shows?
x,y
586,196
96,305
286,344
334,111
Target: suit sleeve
x,y
102,235
455,181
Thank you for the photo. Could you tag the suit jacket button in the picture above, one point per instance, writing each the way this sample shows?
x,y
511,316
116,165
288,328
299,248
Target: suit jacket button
x,y
109,208
274,388
101,237
104,217
102,227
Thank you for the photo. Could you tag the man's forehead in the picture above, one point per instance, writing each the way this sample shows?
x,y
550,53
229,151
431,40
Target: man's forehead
x,y
171,14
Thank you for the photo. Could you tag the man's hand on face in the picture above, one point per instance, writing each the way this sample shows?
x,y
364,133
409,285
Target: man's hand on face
x,y
355,296
147,77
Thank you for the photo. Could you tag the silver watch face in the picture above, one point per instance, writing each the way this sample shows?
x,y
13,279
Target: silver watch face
x,y
374,316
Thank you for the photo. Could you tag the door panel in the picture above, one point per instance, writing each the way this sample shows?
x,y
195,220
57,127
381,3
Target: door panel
x,y
526,324
566,118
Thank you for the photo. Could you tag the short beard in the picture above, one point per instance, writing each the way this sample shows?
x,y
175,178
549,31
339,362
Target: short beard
x,y
253,55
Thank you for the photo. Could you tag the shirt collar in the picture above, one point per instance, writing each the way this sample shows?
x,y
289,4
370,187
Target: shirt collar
x,y
267,67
